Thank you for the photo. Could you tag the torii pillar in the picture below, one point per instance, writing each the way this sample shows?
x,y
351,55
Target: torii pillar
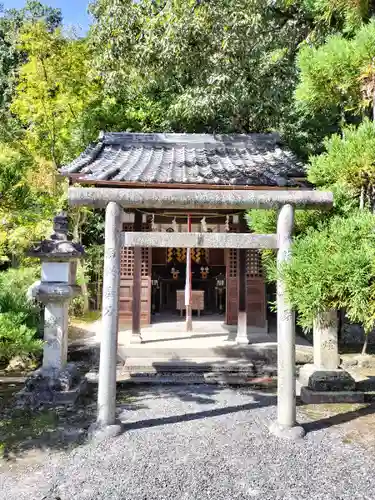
x,y
285,425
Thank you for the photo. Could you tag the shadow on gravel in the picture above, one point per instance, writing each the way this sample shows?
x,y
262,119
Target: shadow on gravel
x,y
338,418
63,428
259,401
138,395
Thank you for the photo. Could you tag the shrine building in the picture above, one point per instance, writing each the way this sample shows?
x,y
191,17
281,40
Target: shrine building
x,y
160,277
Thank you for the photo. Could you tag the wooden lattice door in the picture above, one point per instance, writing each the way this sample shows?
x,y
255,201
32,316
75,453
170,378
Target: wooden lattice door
x,y
256,304
232,288
256,290
126,283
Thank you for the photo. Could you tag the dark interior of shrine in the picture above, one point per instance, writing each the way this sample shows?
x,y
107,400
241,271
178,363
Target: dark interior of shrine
x,y
169,275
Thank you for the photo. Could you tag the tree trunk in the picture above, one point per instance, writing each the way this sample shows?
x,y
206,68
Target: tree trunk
x,y
80,267
362,198
364,348
84,287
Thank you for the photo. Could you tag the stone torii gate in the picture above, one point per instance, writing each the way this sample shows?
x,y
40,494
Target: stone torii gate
x,y
114,200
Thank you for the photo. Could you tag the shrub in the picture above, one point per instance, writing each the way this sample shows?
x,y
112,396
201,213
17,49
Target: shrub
x,y
334,267
16,339
19,319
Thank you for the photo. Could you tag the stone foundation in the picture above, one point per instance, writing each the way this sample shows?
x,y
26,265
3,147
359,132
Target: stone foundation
x,y
328,386
310,397
48,387
318,379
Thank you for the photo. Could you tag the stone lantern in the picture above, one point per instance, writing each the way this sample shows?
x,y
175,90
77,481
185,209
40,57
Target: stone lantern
x,y
57,287
55,381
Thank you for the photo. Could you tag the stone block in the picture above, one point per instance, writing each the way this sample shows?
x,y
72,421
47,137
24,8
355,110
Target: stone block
x,y
309,396
326,380
98,433
293,433
366,384
52,387
70,397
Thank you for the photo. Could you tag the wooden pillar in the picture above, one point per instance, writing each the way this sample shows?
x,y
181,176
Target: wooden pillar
x,y
241,337
188,285
136,337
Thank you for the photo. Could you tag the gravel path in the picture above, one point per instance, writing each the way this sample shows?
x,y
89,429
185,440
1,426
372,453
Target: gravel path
x,y
199,443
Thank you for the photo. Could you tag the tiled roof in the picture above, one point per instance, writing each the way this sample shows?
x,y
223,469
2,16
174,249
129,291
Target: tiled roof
x,y
132,158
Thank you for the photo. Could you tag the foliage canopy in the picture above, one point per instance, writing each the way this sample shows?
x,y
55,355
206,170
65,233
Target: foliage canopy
x,y
333,267
207,66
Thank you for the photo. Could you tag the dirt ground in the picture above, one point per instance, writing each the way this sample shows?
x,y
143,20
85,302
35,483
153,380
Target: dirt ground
x,y
355,422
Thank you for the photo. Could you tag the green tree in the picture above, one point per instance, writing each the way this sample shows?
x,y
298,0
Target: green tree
x,y
30,196
53,92
348,161
201,66
343,15
333,264
11,58
332,75
333,267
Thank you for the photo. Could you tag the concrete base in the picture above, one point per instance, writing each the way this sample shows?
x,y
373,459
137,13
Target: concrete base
x,y
319,397
285,432
321,380
136,338
246,334
241,337
99,433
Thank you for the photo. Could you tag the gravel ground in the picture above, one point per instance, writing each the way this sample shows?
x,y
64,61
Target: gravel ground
x,y
199,443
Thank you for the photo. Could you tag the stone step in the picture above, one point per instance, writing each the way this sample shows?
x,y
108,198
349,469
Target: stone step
x,y
187,378
203,378
264,353
197,365
192,371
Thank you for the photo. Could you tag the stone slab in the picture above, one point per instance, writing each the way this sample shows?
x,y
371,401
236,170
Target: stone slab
x,y
198,240
326,380
209,377
319,397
